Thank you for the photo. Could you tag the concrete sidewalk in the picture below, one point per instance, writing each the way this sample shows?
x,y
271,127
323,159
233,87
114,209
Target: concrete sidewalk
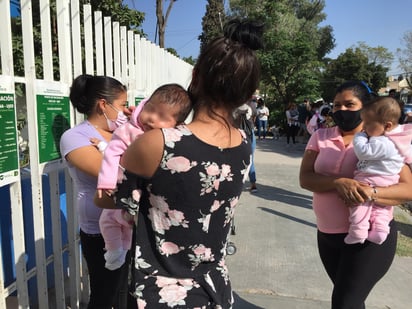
x,y
277,264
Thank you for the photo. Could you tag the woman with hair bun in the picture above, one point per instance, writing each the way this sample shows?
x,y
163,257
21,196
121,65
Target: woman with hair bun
x,y
102,100
327,169
192,177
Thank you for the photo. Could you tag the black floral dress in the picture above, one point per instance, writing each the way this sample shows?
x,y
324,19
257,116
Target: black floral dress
x,y
183,223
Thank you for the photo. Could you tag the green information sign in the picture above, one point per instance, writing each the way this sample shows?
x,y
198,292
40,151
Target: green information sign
x,y
9,158
53,118
137,100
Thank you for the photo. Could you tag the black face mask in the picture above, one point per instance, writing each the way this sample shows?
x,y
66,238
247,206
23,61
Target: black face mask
x,y
347,120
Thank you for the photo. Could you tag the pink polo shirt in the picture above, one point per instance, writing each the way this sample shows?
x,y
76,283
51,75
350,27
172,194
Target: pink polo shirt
x,y
333,160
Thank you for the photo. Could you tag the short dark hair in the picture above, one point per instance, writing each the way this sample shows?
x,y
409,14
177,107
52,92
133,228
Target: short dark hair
x,y
174,94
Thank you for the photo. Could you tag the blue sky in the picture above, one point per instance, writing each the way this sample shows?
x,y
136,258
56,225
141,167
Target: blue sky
x,y
375,22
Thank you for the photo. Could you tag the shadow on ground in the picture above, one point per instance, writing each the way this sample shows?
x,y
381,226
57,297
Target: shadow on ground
x,y
404,228
291,150
241,303
272,193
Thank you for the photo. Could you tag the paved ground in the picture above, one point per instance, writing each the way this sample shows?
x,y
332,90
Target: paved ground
x,y
277,264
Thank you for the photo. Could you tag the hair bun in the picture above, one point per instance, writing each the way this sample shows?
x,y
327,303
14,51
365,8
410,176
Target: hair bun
x,y
245,32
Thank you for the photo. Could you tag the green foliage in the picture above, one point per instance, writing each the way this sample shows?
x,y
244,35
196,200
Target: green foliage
x,y
353,64
295,47
172,51
190,60
378,55
212,22
119,12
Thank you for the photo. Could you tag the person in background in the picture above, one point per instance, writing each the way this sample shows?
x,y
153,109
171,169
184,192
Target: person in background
x,y
382,148
327,169
325,118
313,122
103,101
245,117
292,119
192,178
304,112
168,106
262,118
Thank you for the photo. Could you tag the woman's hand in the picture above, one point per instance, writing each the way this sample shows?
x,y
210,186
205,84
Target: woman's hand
x,y
351,191
395,194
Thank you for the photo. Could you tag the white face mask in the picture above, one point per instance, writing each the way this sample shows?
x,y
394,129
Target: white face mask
x,y
120,119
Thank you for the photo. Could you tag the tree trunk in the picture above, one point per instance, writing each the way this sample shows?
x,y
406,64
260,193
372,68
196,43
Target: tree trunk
x,y
162,20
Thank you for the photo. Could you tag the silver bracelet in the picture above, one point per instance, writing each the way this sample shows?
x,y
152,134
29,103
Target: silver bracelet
x,y
374,196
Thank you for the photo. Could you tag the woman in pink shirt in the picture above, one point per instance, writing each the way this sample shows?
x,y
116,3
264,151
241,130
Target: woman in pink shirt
x,y
327,169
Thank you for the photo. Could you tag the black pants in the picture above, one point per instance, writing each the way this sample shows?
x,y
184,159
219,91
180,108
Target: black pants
x,y
108,288
291,132
355,269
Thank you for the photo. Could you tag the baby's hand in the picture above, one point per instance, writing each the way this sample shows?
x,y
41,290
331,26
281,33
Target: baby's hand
x,y
129,110
99,144
108,192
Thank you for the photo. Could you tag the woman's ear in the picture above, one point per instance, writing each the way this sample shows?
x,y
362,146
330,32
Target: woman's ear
x,y
101,106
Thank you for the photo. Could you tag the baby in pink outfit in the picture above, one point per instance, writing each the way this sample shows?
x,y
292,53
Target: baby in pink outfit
x,y
168,106
382,149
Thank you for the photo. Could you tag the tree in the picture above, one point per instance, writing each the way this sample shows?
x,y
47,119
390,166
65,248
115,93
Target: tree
x,y
353,64
405,57
119,12
212,22
162,19
378,55
295,46
172,51
190,60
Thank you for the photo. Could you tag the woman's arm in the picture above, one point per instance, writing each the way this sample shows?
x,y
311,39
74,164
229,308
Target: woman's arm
x,y
288,118
395,194
87,159
143,156
348,189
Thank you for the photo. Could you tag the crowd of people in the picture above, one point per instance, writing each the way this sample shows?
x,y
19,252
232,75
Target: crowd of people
x,y
159,194
300,121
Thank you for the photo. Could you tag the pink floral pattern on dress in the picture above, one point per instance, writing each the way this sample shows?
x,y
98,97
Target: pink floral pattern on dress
x,y
213,176
162,217
200,254
174,291
183,224
167,247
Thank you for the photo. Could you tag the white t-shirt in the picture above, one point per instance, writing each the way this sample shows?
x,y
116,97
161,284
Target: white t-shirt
x,y
262,113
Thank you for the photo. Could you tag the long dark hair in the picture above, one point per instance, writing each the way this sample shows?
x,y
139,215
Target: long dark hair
x,y
87,89
227,71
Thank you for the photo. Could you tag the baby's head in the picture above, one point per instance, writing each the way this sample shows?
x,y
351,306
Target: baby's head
x,y
380,115
167,107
